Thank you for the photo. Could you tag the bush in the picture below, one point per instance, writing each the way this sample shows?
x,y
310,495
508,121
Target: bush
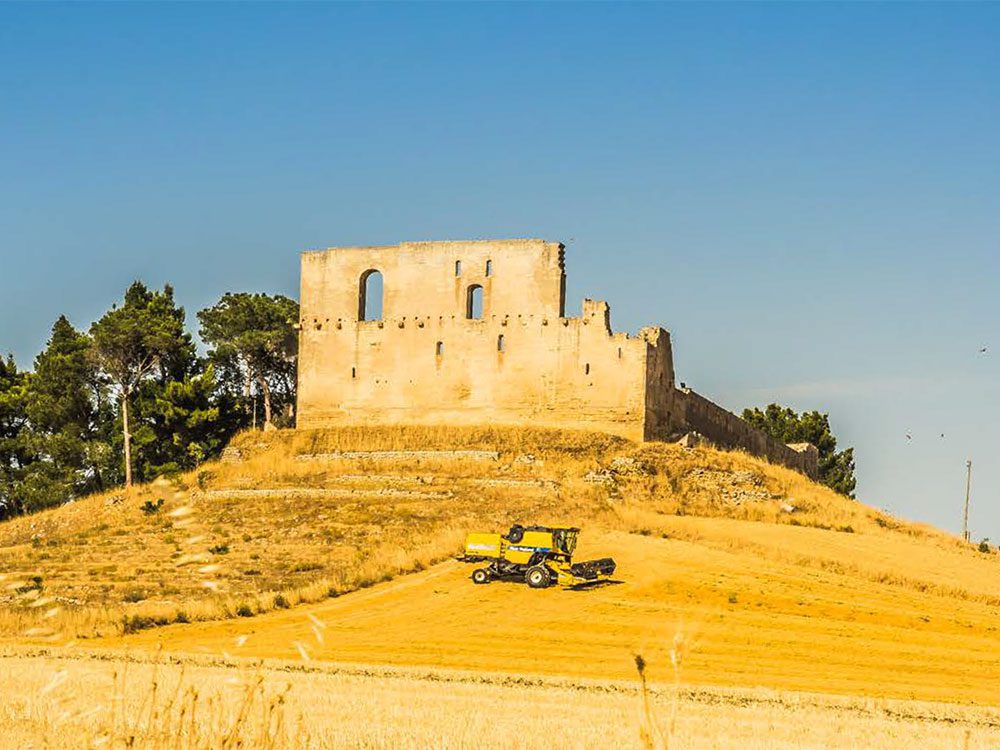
x,y
203,477
219,549
280,602
135,623
133,595
984,546
149,507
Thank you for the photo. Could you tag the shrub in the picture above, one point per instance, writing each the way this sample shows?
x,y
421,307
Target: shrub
x,y
135,623
280,602
219,549
203,478
149,507
133,595
244,611
984,546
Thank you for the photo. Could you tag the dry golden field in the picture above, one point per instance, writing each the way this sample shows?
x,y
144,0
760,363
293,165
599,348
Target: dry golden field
x,y
67,702
307,547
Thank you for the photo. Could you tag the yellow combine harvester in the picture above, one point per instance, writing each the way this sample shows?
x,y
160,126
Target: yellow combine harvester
x,y
538,555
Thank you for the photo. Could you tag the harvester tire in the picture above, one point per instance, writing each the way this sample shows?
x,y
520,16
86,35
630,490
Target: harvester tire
x,y
516,534
480,575
538,577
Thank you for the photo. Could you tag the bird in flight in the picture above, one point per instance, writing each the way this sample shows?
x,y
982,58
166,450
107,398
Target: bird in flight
x,y
909,436
983,350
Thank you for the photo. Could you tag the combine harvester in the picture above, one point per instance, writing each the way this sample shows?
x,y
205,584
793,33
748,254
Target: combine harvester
x,y
537,555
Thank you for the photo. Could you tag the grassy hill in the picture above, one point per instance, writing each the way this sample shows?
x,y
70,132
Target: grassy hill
x,y
765,577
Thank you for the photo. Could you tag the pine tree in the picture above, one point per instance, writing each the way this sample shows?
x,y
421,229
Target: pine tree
x,y
62,421
142,340
254,342
14,458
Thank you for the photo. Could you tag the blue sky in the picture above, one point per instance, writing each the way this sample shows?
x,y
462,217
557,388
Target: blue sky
x,y
806,195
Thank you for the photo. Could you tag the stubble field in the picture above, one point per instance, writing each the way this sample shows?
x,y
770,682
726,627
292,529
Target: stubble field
x,y
79,702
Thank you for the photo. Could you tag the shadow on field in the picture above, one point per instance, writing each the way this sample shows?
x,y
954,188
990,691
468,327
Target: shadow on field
x,y
588,585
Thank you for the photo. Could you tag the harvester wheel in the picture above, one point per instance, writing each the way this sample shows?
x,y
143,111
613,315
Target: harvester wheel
x,y
538,577
480,575
516,534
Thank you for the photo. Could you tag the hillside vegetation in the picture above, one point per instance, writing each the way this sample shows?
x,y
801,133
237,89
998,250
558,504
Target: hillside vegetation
x,y
289,517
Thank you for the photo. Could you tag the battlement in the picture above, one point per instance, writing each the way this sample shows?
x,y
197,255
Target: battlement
x,y
476,332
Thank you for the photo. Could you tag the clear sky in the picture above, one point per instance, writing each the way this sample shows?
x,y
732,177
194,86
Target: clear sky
x,y
806,195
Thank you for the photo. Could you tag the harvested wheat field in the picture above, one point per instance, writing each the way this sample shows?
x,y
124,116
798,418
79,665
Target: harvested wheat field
x,y
332,550
83,703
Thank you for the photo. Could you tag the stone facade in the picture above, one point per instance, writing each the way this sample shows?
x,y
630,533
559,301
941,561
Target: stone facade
x,y
476,333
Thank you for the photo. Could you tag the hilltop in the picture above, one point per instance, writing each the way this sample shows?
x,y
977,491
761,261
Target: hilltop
x,y
770,578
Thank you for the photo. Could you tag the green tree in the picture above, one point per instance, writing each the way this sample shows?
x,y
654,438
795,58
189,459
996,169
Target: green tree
x,y
62,406
253,342
142,339
14,458
836,469
181,422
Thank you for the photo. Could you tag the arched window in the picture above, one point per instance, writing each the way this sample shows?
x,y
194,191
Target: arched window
x,y
439,349
474,302
501,343
370,295
458,268
489,268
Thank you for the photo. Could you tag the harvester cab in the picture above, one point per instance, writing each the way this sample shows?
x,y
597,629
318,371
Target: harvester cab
x,y
537,555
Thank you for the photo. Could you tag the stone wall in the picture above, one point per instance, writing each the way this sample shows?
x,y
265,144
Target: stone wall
x,y
726,430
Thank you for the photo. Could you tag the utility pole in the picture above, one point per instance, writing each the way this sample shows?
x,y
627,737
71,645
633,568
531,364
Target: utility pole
x,y
968,487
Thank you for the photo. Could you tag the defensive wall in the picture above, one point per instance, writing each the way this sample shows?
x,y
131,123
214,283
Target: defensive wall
x,y
476,332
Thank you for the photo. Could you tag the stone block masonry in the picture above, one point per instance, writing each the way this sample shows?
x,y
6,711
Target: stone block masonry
x,y
466,333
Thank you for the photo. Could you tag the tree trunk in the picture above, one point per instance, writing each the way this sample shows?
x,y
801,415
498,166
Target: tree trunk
x,y
128,440
247,389
266,390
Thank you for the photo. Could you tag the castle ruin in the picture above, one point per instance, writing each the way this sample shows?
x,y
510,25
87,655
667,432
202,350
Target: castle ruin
x,y
466,333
